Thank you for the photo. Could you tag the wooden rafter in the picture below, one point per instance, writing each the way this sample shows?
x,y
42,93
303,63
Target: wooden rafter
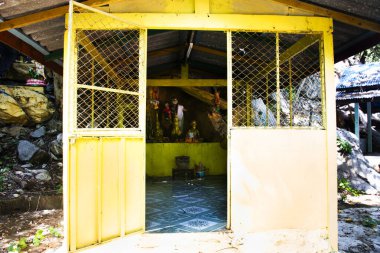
x,y
187,82
23,47
298,47
339,16
97,56
204,96
163,52
208,50
45,15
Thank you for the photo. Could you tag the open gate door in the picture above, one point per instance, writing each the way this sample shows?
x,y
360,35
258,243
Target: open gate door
x,y
104,137
277,89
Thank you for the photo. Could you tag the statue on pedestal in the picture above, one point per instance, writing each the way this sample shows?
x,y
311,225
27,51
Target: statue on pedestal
x,y
176,132
178,110
193,133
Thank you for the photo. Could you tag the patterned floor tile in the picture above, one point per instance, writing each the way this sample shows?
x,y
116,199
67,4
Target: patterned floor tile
x,y
198,224
194,209
186,206
190,200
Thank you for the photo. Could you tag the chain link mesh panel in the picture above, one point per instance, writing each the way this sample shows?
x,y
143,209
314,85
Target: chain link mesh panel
x,y
276,80
107,75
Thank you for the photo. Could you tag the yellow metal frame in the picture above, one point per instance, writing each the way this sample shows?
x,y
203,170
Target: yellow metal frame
x,y
197,21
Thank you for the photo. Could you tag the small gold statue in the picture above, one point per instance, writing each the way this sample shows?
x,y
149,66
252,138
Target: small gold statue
x,y
176,132
193,133
158,131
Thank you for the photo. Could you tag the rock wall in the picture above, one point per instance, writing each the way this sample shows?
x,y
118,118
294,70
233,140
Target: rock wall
x,y
24,106
355,167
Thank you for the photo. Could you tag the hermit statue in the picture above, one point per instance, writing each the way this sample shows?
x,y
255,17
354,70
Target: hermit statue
x,y
158,131
193,133
178,110
176,132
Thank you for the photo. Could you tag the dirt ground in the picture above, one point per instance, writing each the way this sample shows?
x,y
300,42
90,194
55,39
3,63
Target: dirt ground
x,y
25,225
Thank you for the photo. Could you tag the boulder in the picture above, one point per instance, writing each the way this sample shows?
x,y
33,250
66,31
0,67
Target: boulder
x,y
56,146
43,176
355,167
28,152
16,131
38,133
10,110
36,105
54,126
260,113
354,236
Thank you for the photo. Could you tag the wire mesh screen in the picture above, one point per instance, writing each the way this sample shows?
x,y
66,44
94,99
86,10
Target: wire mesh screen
x,y
276,80
107,73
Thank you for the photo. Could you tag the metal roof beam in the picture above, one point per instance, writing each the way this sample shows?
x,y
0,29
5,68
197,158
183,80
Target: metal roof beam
x,y
45,15
26,49
339,16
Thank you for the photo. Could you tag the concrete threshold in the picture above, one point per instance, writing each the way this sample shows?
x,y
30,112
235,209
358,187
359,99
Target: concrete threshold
x,y
302,241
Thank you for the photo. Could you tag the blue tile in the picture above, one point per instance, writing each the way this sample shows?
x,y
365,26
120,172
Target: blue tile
x,y
186,206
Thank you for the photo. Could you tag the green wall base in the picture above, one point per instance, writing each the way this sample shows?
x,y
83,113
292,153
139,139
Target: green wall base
x,y
160,157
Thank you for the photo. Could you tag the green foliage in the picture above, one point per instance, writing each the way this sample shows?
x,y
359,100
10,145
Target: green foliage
x,y
16,247
59,189
370,55
369,222
38,237
344,147
33,73
3,171
54,232
344,186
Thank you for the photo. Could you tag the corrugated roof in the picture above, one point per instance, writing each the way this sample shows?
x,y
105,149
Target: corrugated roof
x,y
348,39
362,76
357,96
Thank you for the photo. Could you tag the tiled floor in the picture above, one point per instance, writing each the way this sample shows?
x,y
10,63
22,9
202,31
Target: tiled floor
x,y
186,206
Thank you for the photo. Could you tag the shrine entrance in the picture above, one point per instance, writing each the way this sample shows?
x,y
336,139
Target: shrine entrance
x,y
186,131
275,97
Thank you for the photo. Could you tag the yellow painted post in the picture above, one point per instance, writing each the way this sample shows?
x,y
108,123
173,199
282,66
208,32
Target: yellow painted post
x,y
330,92
185,71
229,125
107,105
92,93
143,41
323,81
202,6
267,99
278,80
99,171
73,193
122,194
290,94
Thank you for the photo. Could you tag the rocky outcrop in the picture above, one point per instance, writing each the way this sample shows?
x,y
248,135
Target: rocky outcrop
x,y
31,159
28,152
355,167
10,110
358,231
56,146
22,106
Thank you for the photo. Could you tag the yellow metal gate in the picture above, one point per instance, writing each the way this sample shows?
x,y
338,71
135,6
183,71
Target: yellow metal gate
x,y
104,129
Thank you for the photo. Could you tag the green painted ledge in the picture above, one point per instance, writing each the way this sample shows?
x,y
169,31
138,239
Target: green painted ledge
x,y
160,157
